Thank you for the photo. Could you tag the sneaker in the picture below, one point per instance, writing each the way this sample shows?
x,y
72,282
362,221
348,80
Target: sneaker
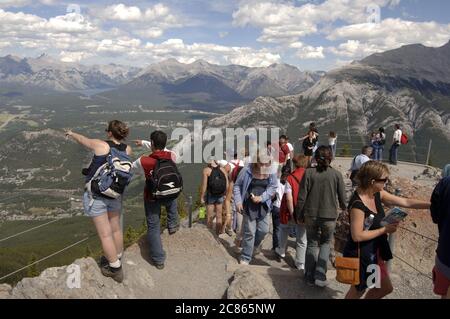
x,y
280,253
114,273
174,230
243,262
321,283
299,266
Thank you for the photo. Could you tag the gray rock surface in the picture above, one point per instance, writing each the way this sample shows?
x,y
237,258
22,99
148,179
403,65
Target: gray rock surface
x,y
250,285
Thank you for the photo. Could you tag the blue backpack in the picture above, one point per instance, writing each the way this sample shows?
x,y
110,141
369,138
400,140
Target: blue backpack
x,y
111,179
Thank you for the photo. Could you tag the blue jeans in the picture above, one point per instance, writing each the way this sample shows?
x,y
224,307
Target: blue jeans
x,y
172,214
301,242
276,226
153,214
378,154
319,232
393,154
254,233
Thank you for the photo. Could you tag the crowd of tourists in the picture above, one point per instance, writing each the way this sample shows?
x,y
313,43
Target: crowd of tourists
x,y
299,195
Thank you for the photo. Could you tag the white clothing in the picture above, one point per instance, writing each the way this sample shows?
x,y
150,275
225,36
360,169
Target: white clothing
x,y
397,136
359,161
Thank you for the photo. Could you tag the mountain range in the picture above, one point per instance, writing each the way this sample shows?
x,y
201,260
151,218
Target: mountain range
x,y
409,86
168,82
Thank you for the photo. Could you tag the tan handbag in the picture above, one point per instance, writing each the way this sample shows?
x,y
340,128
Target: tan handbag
x,y
347,270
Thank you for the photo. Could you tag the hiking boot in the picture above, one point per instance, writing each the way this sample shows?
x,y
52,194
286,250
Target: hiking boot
x,y
244,263
104,261
114,273
174,230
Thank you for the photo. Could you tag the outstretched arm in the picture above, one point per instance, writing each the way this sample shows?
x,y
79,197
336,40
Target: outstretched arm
x,y
392,200
98,146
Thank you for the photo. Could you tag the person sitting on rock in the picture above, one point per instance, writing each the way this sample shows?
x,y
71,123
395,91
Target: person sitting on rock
x,y
368,238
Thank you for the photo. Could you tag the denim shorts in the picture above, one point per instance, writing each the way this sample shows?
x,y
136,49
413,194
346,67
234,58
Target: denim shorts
x,y
101,205
214,200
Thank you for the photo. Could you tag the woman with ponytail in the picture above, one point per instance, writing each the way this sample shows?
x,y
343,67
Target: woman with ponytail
x,y
320,190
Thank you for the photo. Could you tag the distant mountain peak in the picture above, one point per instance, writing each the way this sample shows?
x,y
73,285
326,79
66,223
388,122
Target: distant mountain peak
x,y
170,61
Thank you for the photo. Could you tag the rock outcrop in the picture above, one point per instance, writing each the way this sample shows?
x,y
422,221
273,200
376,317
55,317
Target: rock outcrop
x,y
250,285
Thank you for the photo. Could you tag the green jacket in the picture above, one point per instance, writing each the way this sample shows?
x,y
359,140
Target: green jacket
x,y
319,194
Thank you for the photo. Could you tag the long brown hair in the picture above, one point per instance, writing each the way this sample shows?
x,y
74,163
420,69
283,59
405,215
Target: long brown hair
x,y
118,129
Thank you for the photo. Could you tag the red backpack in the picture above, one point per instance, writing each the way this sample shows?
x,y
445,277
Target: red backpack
x,y
294,179
404,139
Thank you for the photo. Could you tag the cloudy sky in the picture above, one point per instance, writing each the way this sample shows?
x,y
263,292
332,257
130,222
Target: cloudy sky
x,y
311,34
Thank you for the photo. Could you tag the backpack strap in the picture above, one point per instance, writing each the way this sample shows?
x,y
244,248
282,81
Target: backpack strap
x,y
121,147
295,177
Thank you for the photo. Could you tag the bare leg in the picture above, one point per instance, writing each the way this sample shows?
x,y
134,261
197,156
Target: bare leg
x,y
210,215
227,211
353,293
379,293
219,208
106,237
114,221
448,294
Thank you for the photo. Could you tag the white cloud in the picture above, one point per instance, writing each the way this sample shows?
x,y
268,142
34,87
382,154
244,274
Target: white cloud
x,y
74,56
286,22
188,53
367,38
148,23
121,12
307,52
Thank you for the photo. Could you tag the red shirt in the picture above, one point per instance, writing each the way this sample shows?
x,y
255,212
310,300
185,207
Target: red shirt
x,y
283,153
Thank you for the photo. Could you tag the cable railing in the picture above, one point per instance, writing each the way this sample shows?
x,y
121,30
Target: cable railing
x,y
45,258
28,230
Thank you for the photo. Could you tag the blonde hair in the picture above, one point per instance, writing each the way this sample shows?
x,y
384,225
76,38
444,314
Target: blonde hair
x,y
370,171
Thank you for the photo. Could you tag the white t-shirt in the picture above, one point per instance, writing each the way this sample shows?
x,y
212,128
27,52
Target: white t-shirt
x,y
291,149
359,161
332,141
279,194
397,136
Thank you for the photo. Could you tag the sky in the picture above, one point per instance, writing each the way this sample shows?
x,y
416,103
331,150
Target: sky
x,y
310,34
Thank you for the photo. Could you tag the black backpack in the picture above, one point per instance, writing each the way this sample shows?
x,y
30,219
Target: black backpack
x,y
217,182
165,181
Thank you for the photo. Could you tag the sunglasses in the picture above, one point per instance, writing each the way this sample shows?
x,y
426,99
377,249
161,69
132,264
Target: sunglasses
x,y
381,180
